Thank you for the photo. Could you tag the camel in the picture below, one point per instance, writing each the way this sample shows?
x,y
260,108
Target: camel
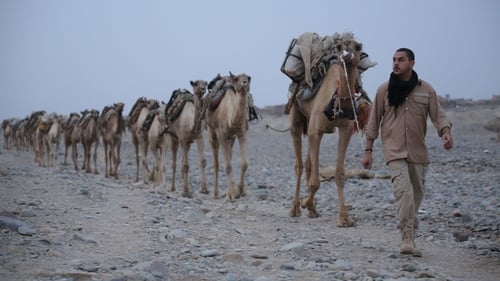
x,y
7,133
226,123
71,137
42,128
135,120
157,141
50,138
20,135
185,128
321,114
111,125
89,138
32,132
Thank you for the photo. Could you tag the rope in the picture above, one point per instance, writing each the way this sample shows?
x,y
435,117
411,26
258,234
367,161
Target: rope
x,y
352,103
269,126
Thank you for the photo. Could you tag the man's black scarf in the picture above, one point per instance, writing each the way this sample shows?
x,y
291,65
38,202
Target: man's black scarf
x,y
399,90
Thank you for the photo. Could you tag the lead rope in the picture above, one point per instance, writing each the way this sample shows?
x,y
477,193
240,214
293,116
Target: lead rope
x,y
352,103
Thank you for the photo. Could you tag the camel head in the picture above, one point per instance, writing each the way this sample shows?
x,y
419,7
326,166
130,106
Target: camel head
x,y
5,123
241,82
349,48
90,113
152,104
199,87
119,107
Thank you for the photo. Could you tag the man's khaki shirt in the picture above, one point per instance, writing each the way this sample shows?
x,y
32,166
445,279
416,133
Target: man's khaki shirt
x,y
403,131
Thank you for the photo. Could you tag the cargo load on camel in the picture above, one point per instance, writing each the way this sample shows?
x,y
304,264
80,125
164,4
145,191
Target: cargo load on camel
x,y
306,61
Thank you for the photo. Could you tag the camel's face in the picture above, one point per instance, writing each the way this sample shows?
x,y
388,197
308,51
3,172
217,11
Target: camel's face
x,y
199,87
152,104
119,106
351,51
242,81
94,113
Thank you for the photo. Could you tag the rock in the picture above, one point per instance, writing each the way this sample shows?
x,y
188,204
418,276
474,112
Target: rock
x,y
295,246
460,236
210,253
287,267
12,223
84,238
26,230
342,265
158,269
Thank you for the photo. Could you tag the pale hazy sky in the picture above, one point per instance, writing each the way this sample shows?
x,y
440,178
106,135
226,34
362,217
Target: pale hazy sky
x,y
68,55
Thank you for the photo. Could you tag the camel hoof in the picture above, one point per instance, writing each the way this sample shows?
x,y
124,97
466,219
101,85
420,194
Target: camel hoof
x,y
345,222
313,214
309,204
295,212
187,195
205,191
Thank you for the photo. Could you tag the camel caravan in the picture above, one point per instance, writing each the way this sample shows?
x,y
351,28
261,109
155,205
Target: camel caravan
x,y
325,95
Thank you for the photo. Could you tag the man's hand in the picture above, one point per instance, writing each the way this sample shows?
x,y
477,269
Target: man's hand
x,y
446,138
367,160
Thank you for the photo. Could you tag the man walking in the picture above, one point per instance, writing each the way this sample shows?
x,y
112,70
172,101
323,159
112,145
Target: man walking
x,y
400,111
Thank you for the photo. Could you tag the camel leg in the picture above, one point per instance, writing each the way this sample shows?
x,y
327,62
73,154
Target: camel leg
x,y
175,148
46,152
117,159
56,151
52,155
227,150
111,159
163,167
214,143
86,156
136,150
203,165
242,141
147,173
74,155
106,160
66,147
154,177
95,157
313,183
185,170
296,133
345,134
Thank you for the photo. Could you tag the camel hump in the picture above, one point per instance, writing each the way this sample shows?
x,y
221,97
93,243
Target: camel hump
x,y
218,92
176,103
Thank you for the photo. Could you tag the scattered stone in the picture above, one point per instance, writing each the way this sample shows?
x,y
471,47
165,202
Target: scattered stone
x,y
287,267
83,238
460,236
295,246
210,253
12,223
158,269
26,230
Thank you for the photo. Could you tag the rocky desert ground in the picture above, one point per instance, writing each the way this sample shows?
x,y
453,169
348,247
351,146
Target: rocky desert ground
x,y
59,224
